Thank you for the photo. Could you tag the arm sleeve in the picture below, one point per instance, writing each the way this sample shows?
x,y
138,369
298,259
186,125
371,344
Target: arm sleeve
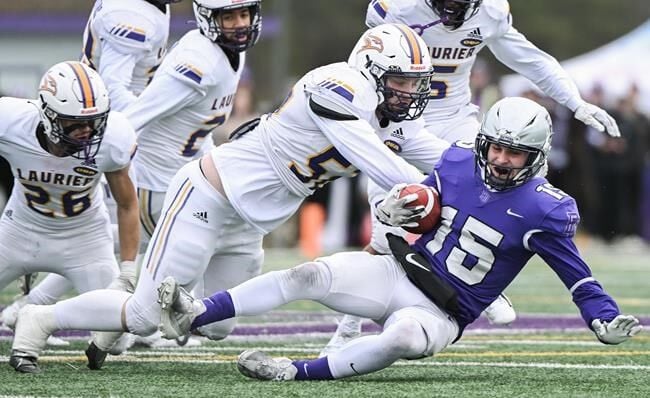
x,y
561,254
514,50
116,69
357,142
163,96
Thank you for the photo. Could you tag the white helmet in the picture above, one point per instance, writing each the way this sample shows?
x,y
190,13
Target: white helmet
x,y
395,50
520,124
207,11
73,92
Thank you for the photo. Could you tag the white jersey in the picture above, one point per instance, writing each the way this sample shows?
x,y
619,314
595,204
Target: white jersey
x,y
191,94
125,41
57,193
453,52
269,171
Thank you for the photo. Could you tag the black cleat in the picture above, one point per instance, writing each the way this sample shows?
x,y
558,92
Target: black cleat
x,y
182,340
96,357
23,364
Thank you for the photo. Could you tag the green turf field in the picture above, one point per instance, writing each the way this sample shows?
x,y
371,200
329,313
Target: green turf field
x,y
498,363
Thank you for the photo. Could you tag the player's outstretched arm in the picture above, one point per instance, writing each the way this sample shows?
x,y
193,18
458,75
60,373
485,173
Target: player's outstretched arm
x,y
618,330
595,117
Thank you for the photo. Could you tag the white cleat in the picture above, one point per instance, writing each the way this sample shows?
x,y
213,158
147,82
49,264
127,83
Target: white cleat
x,y
35,324
349,329
157,341
501,311
258,365
54,341
176,309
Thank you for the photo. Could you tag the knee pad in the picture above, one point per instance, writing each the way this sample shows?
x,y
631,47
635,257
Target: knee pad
x,y
218,330
312,278
406,338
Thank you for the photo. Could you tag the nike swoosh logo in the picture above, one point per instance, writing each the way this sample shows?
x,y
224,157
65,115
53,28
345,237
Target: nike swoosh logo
x,y
353,369
304,367
512,213
409,258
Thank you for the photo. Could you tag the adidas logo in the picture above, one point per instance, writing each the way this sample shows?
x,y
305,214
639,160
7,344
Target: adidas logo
x,y
201,215
475,34
398,134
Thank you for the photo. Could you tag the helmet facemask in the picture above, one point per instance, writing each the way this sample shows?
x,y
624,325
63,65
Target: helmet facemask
x,y
513,124
62,126
515,176
236,39
453,13
399,104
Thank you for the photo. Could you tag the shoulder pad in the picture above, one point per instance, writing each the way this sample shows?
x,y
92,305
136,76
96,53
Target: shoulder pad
x,y
12,109
496,9
125,29
342,89
387,11
562,219
193,60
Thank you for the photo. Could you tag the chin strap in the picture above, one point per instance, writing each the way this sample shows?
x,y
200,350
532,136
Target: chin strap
x,y
419,29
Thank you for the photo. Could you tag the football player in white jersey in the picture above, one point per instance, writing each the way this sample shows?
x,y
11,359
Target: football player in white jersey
x,y
455,31
124,41
217,209
59,146
191,93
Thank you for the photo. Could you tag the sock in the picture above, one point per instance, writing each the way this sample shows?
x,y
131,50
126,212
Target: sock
x,y
218,307
315,369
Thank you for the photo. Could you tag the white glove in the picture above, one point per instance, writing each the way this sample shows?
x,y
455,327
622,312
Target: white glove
x,y
593,116
126,280
393,211
618,330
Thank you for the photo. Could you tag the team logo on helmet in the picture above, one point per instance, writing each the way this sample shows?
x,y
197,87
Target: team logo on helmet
x,y
48,84
372,42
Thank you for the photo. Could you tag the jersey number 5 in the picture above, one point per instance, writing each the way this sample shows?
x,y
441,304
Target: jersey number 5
x,y
439,87
482,256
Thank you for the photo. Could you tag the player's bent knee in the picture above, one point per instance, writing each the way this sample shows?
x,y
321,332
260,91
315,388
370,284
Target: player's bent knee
x,y
406,338
218,330
312,276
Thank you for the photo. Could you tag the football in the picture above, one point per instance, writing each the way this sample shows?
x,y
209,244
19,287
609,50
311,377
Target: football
x,y
429,198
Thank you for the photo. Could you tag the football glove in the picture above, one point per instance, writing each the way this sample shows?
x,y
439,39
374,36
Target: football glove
x,y
593,116
127,278
618,330
393,211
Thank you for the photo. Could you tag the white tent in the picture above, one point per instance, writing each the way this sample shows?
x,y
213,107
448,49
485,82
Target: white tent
x,y
615,66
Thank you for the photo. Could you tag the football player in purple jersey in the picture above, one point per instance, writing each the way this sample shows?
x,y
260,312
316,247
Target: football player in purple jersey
x,y
497,212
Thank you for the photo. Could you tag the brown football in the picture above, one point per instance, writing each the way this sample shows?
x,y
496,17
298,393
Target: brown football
x,y
429,198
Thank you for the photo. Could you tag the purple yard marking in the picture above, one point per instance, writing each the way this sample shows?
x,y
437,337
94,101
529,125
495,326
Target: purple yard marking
x,y
323,322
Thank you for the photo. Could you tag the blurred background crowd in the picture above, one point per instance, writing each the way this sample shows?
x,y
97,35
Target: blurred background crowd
x,y
604,45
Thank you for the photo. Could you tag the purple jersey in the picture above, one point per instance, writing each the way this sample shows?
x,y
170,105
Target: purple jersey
x,y
485,238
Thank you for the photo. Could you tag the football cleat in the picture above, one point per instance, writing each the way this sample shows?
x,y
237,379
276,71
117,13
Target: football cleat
x,y
96,357
258,365
349,329
176,309
35,323
23,363
101,344
501,311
